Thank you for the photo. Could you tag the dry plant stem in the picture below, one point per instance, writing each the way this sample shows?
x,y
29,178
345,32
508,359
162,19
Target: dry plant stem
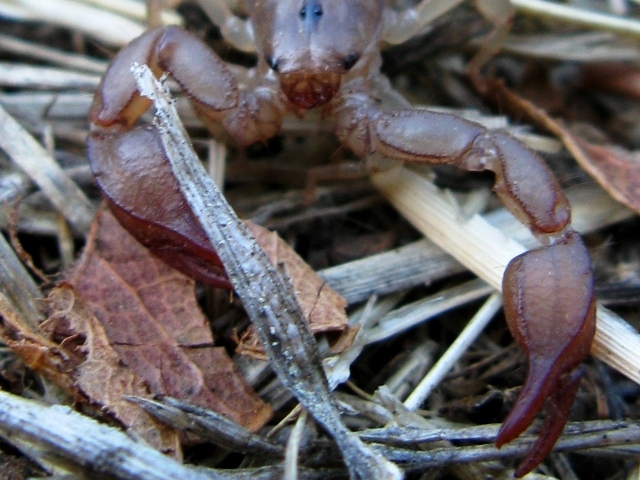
x,y
31,157
154,11
337,368
67,441
208,425
486,251
51,55
416,362
473,329
560,464
442,457
28,76
417,435
96,22
575,46
293,448
70,438
135,9
54,106
579,16
410,315
217,161
424,262
265,292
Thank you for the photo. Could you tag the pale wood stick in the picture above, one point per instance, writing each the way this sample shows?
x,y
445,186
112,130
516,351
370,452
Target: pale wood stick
x,y
96,22
579,16
29,76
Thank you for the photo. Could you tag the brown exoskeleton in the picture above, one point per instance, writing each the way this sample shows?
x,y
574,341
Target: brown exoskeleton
x,y
325,54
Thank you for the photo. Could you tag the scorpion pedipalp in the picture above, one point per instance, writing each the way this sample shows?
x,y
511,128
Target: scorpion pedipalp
x,y
557,284
548,291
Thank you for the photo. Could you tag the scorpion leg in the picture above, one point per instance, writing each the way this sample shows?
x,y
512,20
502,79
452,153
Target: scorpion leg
x,y
400,26
198,70
235,30
548,292
129,163
500,13
403,25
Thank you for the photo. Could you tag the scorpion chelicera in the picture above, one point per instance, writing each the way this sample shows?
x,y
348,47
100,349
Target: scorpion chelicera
x,y
324,54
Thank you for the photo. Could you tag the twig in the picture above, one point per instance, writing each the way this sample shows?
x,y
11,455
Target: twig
x,y
416,435
574,46
420,311
59,437
40,52
135,9
595,442
265,292
29,76
83,441
208,425
422,262
19,295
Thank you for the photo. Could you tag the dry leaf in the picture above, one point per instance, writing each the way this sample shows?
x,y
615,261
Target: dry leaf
x,y
36,351
84,365
96,369
616,169
151,317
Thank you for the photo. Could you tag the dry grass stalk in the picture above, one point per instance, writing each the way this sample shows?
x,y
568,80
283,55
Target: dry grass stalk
x,y
27,153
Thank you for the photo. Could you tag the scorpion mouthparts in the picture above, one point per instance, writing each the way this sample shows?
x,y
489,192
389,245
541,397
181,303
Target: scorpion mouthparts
x,y
309,90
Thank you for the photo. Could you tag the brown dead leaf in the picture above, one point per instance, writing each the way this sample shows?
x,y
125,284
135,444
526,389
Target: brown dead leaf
x,y
96,369
152,320
36,351
322,306
83,364
615,168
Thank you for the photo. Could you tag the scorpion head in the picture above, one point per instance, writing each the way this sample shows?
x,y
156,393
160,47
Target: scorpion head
x,y
311,44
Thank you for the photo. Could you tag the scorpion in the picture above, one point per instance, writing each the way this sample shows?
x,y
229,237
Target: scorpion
x,y
325,55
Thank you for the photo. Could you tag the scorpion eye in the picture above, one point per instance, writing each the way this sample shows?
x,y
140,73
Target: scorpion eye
x,y
315,9
350,60
272,62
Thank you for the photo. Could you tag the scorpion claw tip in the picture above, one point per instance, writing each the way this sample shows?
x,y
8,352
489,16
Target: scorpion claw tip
x,y
535,391
559,406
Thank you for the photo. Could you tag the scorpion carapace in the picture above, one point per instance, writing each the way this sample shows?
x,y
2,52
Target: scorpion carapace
x,y
325,53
